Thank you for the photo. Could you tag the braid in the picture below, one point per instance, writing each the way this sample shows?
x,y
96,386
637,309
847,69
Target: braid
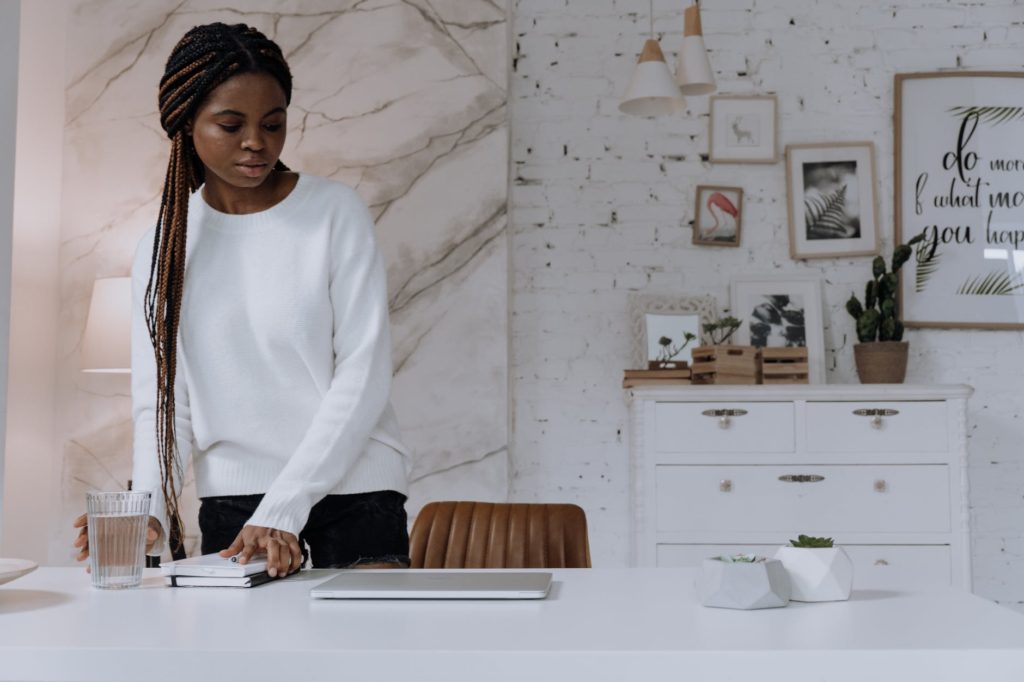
x,y
203,59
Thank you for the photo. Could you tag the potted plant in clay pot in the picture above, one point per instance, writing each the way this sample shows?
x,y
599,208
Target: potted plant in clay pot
x,y
881,355
743,581
818,570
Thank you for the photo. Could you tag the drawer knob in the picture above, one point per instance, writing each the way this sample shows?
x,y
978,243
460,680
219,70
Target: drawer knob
x,y
801,478
876,422
725,485
881,486
876,414
881,562
724,422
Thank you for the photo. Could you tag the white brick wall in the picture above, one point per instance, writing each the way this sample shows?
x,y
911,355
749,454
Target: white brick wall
x,y
601,206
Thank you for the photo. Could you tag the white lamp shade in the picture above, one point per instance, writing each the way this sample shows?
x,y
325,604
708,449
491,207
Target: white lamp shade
x,y
651,91
693,70
106,344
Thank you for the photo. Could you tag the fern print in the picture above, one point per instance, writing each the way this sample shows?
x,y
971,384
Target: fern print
x,y
824,214
993,284
927,256
993,115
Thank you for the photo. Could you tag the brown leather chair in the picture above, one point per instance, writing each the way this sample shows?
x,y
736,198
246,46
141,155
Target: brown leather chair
x,y
492,535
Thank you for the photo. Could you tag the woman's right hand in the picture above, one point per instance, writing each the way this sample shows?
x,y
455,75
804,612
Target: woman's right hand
x,y
153,533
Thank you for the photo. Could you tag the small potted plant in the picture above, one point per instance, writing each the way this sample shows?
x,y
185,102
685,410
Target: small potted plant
x,y
743,581
668,351
721,362
818,570
881,355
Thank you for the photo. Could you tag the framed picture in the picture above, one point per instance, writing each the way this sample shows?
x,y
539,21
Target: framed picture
x,y
781,311
656,318
717,216
830,191
959,174
744,129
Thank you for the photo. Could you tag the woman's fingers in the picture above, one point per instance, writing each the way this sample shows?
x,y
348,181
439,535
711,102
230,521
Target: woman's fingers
x,y
80,522
273,556
234,548
295,550
81,542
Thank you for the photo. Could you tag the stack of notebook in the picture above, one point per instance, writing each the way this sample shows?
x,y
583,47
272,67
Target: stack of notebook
x,y
213,570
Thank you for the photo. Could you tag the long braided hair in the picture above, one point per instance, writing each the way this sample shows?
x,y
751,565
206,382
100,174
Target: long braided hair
x,y
203,59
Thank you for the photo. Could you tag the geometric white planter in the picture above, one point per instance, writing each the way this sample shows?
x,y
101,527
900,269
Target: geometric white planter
x,y
743,585
817,573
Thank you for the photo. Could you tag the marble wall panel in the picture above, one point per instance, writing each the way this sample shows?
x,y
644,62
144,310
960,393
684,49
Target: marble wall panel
x,y
406,101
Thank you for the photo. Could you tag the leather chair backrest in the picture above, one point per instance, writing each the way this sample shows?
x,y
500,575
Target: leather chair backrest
x,y
499,535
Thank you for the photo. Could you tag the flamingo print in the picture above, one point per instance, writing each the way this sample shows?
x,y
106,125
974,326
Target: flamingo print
x,y
718,201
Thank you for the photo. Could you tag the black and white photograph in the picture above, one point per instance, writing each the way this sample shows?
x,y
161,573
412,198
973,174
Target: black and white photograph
x,y
743,129
831,199
781,312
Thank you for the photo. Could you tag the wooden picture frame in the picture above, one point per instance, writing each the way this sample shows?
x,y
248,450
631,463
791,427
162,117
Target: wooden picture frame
x,y
743,129
645,309
717,215
831,199
958,145
781,311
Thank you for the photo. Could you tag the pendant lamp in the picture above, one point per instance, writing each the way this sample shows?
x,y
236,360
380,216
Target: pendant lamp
x,y
651,91
693,70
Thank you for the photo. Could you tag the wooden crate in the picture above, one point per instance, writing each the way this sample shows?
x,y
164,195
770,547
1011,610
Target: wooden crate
x,y
656,377
784,365
726,365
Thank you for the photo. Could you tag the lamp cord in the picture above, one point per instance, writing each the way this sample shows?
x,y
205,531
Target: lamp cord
x,y
652,19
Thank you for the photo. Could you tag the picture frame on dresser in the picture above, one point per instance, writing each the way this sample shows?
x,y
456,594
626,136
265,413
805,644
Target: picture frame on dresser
x,y
779,311
655,315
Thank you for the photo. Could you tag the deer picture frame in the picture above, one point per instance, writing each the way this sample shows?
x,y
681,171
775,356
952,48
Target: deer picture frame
x,y
833,209
743,129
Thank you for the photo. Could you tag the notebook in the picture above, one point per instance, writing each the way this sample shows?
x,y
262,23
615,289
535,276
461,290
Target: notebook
x,y
421,584
217,581
213,565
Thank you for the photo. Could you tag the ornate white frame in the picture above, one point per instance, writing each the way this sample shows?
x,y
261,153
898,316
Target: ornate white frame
x,y
642,304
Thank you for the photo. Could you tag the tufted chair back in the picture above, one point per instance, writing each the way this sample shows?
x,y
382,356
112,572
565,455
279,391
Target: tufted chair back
x,y
499,535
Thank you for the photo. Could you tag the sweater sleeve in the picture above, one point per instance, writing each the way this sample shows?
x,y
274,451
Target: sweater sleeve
x,y
360,386
145,454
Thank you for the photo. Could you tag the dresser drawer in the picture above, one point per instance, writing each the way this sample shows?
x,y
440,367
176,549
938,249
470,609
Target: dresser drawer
x,y
875,567
848,498
915,427
702,427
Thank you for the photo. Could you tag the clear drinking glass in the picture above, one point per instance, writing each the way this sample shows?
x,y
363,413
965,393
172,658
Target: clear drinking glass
x,y
117,537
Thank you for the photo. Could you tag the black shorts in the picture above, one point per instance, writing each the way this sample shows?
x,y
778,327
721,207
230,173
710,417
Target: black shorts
x,y
342,530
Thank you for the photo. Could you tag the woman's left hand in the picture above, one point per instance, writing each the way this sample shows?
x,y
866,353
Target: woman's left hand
x,y
284,555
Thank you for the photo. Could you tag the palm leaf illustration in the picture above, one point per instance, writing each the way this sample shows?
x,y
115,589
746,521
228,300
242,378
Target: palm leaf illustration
x,y
993,284
926,264
825,212
993,115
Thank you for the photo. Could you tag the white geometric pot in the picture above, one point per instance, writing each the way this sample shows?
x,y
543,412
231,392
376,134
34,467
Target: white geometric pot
x,y
743,585
817,573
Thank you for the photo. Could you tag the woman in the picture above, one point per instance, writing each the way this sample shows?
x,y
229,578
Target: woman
x,y
261,342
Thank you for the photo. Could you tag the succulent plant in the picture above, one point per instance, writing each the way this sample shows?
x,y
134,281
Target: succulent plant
x,y
878,319
669,350
741,559
719,331
809,541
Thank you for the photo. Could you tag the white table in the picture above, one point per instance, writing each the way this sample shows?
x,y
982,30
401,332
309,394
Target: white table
x,y
598,624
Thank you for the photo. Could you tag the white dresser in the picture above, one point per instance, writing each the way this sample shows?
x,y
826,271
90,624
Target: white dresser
x,y
882,469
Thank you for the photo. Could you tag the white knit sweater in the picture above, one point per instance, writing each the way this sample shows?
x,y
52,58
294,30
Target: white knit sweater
x,y
284,357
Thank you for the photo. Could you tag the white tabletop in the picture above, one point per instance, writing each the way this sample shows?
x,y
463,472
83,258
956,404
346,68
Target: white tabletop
x,y
597,624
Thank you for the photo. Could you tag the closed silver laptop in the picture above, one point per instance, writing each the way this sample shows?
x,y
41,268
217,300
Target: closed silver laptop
x,y
423,584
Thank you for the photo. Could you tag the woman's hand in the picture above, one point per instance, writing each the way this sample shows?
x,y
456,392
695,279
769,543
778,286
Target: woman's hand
x,y
284,555
153,533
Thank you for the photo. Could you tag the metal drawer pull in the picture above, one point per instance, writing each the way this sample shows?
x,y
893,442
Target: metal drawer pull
x,y
881,486
801,478
724,415
876,414
725,485
881,562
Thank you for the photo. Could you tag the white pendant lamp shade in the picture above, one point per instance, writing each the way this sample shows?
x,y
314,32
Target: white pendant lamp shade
x,y
651,91
693,70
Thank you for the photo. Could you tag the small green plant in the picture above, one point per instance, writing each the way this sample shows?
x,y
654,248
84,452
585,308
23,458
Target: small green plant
x,y
669,351
719,331
808,541
741,559
878,319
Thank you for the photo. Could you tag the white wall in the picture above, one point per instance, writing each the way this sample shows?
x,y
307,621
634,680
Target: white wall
x,y
31,490
602,202
9,10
